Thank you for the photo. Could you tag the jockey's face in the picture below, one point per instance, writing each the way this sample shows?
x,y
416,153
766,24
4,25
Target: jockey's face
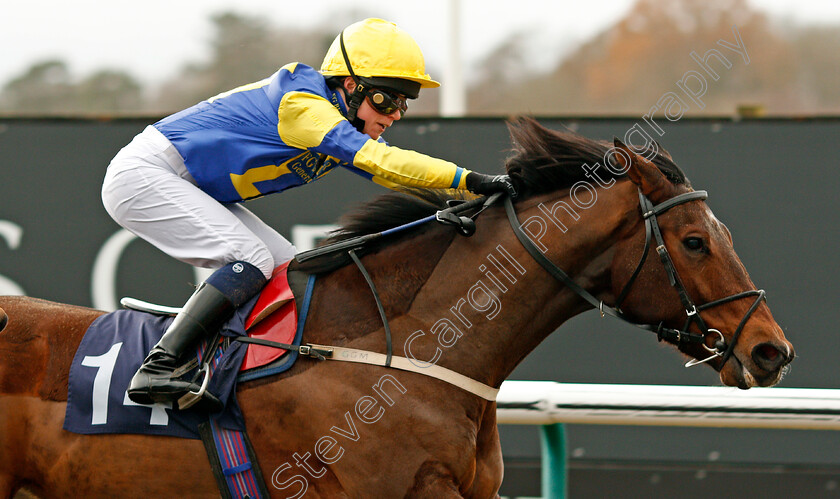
x,y
375,122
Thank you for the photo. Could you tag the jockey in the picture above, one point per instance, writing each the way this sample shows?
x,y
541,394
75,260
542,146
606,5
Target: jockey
x,y
180,183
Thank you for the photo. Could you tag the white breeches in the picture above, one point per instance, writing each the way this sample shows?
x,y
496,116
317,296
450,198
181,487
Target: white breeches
x,y
148,190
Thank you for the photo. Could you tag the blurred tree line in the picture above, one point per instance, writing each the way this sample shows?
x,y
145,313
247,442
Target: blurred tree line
x,y
627,68
622,71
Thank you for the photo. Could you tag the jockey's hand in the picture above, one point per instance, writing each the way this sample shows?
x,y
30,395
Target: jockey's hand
x,y
479,183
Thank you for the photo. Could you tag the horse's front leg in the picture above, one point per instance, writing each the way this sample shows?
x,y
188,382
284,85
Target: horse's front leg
x,y
489,466
434,480
476,478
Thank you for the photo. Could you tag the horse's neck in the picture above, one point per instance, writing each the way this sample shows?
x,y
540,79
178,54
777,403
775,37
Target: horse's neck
x,y
344,307
480,303
493,292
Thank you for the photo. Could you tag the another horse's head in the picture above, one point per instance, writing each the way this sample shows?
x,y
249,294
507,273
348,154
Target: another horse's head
x,y
688,277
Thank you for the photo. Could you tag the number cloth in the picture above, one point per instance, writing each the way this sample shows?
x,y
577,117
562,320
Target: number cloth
x,y
110,353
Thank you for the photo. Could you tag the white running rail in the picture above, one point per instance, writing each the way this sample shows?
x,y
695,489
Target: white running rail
x,y
548,402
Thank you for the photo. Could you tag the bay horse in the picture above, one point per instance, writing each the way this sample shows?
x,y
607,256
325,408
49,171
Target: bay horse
x,y
475,305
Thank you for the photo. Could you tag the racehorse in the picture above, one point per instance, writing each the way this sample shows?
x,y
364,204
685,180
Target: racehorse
x,y
475,305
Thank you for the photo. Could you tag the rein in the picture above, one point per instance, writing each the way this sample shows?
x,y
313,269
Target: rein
x,y
448,216
653,233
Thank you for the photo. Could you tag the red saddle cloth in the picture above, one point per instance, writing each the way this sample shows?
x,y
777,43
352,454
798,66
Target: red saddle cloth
x,y
273,318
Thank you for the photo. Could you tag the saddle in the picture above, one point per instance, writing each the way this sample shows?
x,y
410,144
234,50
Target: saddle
x,y
270,325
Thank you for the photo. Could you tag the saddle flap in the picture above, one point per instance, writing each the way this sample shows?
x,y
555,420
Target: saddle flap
x,y
280,327
274,318
274,295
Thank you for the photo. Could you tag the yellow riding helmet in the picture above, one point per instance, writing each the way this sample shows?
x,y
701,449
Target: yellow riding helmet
x,y
378,49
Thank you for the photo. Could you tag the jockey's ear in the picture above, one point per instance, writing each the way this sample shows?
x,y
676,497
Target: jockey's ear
x,y
643,173
349,85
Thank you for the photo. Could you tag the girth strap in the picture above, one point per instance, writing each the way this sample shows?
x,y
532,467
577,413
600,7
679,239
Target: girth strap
x,y
233,461
482,390
328,352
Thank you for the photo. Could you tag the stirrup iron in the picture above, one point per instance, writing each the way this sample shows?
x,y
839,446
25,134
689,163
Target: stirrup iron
x,y
191,398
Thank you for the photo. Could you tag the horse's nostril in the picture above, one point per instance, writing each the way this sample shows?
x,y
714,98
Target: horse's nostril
x,y
769,357
768,352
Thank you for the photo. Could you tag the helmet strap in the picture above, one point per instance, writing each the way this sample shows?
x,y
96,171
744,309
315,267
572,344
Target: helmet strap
x,y
358,96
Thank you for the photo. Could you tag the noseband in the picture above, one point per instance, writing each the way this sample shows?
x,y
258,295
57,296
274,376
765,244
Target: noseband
x,y
653,233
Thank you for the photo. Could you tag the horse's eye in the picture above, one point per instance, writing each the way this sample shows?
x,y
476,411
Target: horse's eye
x,y
694,243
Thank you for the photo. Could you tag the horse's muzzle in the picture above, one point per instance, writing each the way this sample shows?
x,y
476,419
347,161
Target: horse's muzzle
x,y
771,356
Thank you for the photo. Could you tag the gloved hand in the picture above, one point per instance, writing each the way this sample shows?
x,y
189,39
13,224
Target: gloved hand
x,y
479,183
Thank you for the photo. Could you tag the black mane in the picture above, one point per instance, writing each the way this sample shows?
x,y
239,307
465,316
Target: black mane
x,y
543,160
392,210
547,160
385,212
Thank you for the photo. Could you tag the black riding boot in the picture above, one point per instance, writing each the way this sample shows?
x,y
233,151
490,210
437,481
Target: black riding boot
x,y
203,314
212,304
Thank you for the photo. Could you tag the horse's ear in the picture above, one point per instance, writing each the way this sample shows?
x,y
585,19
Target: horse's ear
x,y
643,173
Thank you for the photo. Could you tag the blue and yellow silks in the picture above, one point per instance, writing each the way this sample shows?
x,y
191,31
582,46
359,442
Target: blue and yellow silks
x,y
285,131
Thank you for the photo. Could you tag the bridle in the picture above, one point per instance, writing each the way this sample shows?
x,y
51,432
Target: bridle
x,y
681,336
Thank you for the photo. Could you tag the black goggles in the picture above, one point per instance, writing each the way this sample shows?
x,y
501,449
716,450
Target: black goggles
x,y
385,102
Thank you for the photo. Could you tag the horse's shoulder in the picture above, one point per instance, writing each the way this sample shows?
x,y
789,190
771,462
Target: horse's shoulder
x,y
38,343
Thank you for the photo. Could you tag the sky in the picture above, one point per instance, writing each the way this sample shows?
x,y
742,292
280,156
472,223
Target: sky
x,y
153,39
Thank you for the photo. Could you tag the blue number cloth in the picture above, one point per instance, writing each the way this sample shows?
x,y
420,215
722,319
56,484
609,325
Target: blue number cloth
x,y
111,352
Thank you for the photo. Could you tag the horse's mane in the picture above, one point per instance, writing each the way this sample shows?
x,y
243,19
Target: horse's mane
x,y
543,160
546,160
384,212
391,210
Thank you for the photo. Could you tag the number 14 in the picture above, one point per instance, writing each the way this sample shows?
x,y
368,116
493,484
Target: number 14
x,y
102,387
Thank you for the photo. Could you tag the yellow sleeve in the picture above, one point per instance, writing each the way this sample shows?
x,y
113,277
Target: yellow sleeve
x,y
408,168
304,119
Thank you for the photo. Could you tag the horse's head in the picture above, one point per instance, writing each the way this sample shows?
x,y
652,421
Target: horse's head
x,y
697,280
